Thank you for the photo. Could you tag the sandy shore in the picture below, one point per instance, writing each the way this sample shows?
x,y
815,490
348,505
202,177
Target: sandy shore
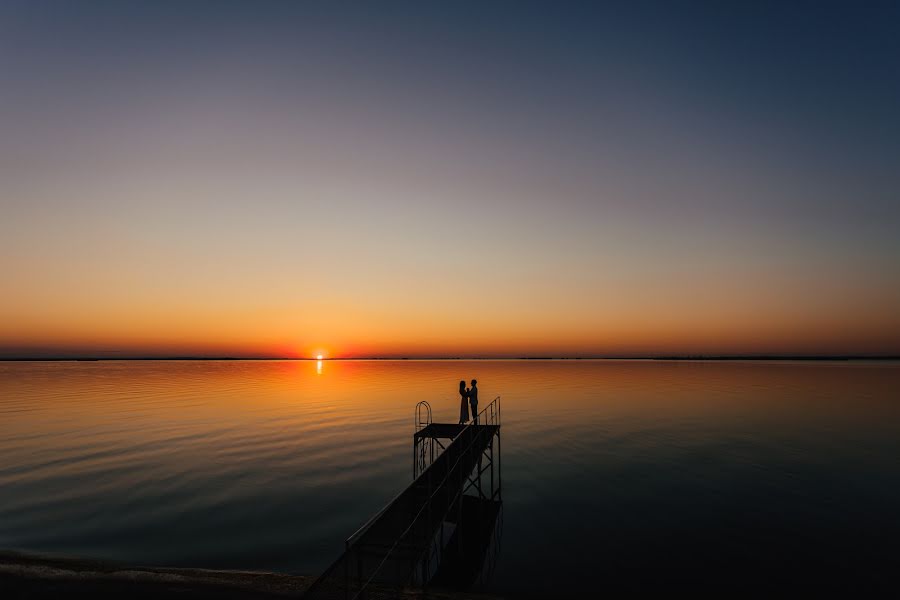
x,y
32,576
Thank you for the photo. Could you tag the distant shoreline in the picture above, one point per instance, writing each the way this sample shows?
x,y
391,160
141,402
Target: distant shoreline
x,y
769,358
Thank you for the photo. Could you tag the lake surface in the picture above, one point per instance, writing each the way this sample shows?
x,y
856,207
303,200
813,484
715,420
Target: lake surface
x,y
616,474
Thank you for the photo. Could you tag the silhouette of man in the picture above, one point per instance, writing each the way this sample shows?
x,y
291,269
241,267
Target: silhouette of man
x,y
473,401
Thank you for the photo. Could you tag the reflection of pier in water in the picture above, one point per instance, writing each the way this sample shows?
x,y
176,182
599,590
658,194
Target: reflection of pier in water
x,y
442,530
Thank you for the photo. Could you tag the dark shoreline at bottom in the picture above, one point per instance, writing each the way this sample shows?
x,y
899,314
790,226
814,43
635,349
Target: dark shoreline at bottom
x,y
42,576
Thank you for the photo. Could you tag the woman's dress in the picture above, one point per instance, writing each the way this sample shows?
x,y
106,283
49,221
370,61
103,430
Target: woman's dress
x,y
464,407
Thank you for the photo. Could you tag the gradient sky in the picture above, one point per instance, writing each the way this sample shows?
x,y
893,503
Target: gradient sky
x,y
487,179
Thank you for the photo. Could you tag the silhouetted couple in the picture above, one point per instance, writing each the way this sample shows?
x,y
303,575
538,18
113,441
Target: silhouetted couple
x,y
470,395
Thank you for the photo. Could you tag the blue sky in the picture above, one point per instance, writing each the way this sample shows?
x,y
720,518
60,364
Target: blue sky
x,y
390,177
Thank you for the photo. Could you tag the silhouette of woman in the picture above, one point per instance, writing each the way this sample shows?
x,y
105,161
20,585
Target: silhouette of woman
x,y
463,403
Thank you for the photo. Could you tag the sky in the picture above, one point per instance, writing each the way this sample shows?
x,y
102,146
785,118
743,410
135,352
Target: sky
x,y
449,179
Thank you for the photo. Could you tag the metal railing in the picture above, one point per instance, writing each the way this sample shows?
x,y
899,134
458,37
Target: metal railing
x,y
423,448
423,415
489,415
360,582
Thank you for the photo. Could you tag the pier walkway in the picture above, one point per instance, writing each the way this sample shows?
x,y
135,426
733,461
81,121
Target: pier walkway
x,y
404,544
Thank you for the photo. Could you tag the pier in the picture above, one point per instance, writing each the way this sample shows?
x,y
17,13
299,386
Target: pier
x,y
441,530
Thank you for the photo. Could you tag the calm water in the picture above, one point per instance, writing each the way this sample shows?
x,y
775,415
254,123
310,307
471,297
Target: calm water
x,y
616,474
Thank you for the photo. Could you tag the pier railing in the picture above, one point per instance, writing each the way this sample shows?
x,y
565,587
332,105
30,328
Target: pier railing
x,y
424,566
394,548
486,426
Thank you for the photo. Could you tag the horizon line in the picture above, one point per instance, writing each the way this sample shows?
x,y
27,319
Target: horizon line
x,y
661,357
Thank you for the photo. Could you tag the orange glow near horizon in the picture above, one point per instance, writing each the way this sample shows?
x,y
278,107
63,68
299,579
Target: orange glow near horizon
x,y
532,311
613,331
596,325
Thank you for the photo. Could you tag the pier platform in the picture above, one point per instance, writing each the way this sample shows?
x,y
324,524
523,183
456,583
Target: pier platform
x,y
456,478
